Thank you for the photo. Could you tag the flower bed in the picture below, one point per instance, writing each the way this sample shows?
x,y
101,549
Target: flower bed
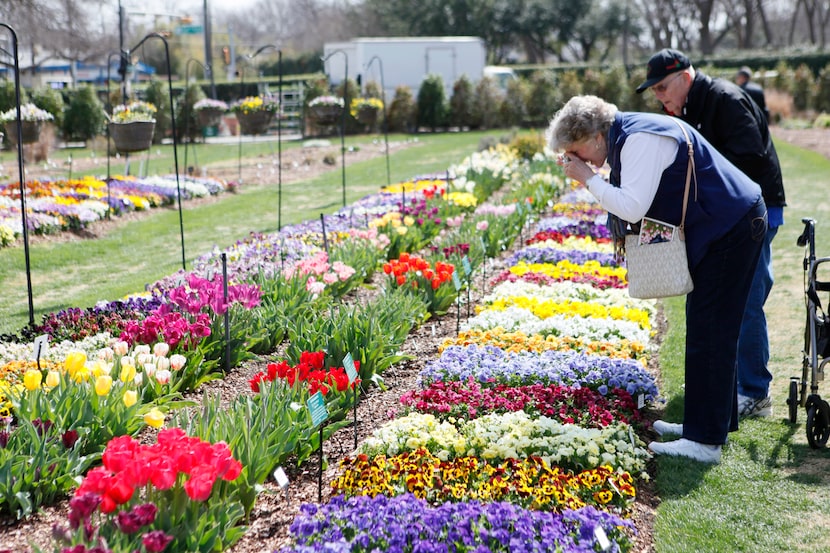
x,y
549,429
56,206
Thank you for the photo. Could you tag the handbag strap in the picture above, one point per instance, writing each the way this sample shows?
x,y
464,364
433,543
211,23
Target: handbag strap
x,y
690,171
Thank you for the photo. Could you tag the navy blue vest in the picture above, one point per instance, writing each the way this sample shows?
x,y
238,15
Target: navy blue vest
x,y
723,194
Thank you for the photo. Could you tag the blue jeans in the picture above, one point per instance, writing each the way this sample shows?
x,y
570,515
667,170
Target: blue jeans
x,y
753,346
714,311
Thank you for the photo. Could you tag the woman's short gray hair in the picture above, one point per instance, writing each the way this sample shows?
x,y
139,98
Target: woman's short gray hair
x,y
580,119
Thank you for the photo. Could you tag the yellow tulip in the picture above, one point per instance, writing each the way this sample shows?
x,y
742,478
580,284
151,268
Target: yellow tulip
x,y
75,361
53,379
103,384
32,379
154,418
81,375
130,397
127,373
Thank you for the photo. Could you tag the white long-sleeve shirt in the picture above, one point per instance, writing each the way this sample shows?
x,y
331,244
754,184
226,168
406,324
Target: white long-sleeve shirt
x,y
643,159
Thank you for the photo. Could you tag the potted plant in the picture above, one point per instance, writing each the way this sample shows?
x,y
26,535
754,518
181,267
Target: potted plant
x,y
326,109
255,113
366,110
31,121
131,126
210,111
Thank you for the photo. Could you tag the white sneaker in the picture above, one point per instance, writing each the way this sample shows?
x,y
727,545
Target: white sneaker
x,y
687,448
663,427
751,407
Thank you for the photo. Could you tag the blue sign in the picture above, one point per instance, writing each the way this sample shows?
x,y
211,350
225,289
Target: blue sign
x,y
351,371
317,407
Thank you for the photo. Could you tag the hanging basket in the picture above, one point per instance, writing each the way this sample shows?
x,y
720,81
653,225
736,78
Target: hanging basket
x,y
135,136
210,117
29,129
367,115
325,114
254,122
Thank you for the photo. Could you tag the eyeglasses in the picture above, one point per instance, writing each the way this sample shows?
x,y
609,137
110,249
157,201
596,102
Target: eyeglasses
x,y
661,88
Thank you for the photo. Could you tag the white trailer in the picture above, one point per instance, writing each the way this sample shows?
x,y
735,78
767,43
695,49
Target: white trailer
x,y
397,61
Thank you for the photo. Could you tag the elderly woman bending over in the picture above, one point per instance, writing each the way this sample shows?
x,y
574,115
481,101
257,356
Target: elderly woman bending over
x,y
725,226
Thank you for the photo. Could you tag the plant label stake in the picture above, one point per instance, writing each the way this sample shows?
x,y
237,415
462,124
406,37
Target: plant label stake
x,y
457,283
227,312
325,240
317,407
468,270
351,372
39,348
282,481
484,263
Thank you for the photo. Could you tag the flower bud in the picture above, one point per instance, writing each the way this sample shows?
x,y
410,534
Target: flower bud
x,y
120,347
154,418
130,397
162,363
103,384
74,361
149,369
127,373
177,361
106,354
53,379
161,349
163,376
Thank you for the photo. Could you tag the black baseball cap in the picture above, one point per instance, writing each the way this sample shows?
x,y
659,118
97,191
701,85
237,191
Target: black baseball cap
x,y
661,65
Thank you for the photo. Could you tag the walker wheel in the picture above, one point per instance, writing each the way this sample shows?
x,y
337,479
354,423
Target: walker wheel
x,y
792,401
818,424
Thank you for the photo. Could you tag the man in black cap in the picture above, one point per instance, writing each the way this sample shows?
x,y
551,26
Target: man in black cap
x,y
735,125
743,78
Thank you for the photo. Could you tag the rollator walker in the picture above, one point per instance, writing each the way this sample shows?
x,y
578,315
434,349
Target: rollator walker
x,y
816,351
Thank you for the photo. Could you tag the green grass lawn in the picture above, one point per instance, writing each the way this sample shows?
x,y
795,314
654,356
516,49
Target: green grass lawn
x,y
769,494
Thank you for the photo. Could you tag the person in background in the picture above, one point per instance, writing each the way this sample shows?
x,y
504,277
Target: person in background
x,y
724,229
734,124
743,78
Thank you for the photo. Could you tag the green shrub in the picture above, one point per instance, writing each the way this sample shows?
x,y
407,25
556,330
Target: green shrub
x,y
612,86
187,121
7,96
487,103
822,97
461,103
513,109
570,85
803,88
372,89
349,93
432,103
784,77
543,98
822,121
402,111
50,100
158,94
528,145
84,117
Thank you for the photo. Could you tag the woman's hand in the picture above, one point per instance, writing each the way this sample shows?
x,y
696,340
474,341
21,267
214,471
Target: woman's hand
x,y
575,168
